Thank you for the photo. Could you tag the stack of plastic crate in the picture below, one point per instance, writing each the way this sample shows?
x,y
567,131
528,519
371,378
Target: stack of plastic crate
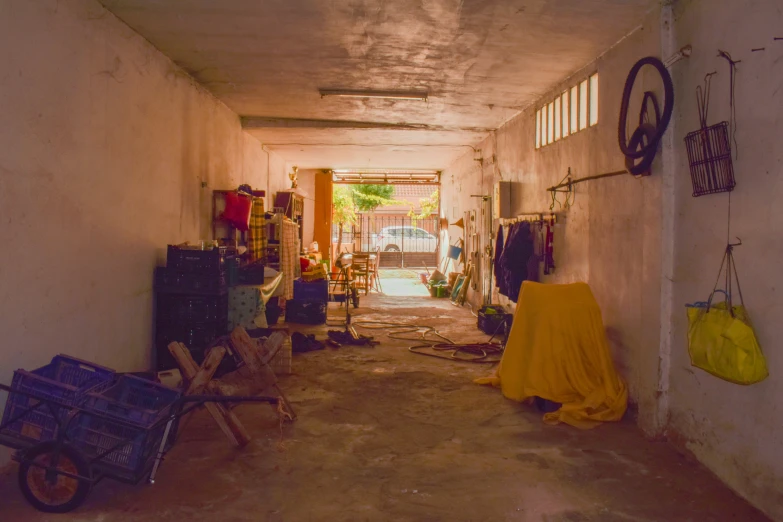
x,y
52,389
192,300
127,432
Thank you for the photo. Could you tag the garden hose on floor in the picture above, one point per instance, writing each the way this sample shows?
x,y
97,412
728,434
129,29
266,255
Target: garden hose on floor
x,y
430,339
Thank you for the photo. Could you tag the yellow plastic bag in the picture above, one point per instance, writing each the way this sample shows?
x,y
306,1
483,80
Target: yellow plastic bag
x,y
721,339
724,344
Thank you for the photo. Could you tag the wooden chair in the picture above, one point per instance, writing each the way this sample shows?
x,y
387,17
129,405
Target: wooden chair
x,y
361,271
375,275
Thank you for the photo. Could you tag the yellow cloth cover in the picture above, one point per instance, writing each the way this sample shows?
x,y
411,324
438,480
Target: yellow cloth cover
x,y
557,350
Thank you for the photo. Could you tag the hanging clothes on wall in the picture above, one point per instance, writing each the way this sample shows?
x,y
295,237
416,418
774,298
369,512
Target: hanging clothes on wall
x,y
515,259
256,237
289,256
500,266
500,281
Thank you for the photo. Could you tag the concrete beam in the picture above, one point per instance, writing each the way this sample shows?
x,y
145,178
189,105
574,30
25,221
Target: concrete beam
x,y
270,122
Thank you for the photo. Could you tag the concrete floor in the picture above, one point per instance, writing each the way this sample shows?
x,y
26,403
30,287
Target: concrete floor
x,y
386,435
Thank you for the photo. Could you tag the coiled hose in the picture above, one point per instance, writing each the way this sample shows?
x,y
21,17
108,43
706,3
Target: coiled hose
x,y
434,344
643,144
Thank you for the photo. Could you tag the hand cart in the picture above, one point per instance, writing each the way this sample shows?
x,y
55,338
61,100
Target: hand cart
x,y
342,287
56,475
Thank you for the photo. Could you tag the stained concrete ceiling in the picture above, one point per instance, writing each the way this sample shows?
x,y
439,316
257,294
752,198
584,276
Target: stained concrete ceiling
x,y
481,61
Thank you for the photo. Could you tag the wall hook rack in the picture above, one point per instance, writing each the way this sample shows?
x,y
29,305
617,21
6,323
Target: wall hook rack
x,y
570,182
530,217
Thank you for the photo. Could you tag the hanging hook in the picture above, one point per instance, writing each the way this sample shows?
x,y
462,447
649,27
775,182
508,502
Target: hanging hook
x,y
727,56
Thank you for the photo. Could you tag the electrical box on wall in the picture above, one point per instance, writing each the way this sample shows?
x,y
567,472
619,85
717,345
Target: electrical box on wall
x,y
501,200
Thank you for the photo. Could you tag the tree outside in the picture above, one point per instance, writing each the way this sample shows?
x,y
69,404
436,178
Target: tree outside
x,y
343,210
370,197
350,201
427,206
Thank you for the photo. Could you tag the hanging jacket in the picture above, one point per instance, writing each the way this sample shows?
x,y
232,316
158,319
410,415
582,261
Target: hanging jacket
x,y
516,255
500,264
500,282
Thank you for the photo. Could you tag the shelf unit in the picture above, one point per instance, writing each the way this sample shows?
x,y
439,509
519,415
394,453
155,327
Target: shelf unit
x,y
273,231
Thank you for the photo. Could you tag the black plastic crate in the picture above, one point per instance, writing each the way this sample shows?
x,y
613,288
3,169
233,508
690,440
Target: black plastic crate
x,y
203,261
170,281
305,311
494,320
195,336
311,289
232,271
192,309
252,274
273,311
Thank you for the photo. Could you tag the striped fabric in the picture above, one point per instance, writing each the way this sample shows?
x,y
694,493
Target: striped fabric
x,y
289,256
256,237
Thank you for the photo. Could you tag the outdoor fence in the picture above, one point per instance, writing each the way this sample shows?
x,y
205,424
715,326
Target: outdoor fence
x,y
403,241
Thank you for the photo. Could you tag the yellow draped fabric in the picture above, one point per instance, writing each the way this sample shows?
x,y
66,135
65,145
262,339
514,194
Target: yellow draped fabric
x,y
557,350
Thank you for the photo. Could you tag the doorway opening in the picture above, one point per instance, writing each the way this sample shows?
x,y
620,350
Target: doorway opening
x,y
396,223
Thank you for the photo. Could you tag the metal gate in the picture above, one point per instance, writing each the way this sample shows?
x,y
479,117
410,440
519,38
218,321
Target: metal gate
x,y
402,241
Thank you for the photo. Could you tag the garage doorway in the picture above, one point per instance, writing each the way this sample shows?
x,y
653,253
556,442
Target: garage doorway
x,y
395,217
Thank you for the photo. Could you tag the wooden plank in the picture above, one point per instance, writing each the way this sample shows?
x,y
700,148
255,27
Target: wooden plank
x,y
252,355
199,378
218,414
185,361
247,349
272,345
227,420
207,370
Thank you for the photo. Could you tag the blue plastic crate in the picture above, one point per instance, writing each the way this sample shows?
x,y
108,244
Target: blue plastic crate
x,y
137,401
311,289
66,380
133,399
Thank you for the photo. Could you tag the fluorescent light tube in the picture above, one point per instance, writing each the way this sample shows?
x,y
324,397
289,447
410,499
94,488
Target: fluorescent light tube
x,y
386,95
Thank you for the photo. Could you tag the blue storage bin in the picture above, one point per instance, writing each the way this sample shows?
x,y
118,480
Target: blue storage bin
x,y
66,380
311,289
139,402
133,399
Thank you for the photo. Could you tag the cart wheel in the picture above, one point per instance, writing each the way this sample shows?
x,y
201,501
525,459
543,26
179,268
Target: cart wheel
x,y
56,493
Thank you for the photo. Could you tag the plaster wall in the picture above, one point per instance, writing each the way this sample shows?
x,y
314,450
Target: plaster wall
x,y
610,235
735,430
646,247
108,152
279,179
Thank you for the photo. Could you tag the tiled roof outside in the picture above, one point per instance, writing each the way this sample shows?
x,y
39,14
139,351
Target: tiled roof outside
x,y
413,191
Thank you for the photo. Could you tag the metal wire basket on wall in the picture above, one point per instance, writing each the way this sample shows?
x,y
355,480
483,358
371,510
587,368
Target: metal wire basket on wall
x,y
709,149
709,158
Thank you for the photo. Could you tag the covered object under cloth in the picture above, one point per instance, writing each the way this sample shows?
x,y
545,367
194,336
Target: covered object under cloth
x,y
557,350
